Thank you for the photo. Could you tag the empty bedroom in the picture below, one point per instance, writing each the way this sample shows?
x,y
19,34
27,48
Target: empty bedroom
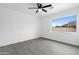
x,y
39,29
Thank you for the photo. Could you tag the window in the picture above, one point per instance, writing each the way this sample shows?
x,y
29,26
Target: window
x,y
64,24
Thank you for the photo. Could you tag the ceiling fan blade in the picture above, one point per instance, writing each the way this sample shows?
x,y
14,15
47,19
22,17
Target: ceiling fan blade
x,y
44,10
47,6
36,11
33,8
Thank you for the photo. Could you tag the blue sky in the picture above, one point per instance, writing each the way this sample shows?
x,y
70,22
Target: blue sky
x,y
64,20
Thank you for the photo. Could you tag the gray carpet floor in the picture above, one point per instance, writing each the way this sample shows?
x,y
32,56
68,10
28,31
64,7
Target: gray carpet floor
x,y
39,46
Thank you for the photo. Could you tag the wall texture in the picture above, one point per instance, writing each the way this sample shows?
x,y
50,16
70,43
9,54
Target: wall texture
x,y
67,37
17,26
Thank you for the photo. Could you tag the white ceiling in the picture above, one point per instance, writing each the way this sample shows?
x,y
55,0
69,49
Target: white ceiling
x,y
23,7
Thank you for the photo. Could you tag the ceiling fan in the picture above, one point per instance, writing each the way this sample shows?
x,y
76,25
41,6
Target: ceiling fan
x,y
40,6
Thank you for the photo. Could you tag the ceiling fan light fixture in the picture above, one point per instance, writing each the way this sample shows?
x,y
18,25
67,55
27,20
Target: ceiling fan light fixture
x,y
39,9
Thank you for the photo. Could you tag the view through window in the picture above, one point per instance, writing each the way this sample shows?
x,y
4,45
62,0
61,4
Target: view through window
x,y
64,24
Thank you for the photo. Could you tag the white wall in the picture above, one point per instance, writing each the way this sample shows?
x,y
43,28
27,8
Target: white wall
x,y
17,26
67,37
